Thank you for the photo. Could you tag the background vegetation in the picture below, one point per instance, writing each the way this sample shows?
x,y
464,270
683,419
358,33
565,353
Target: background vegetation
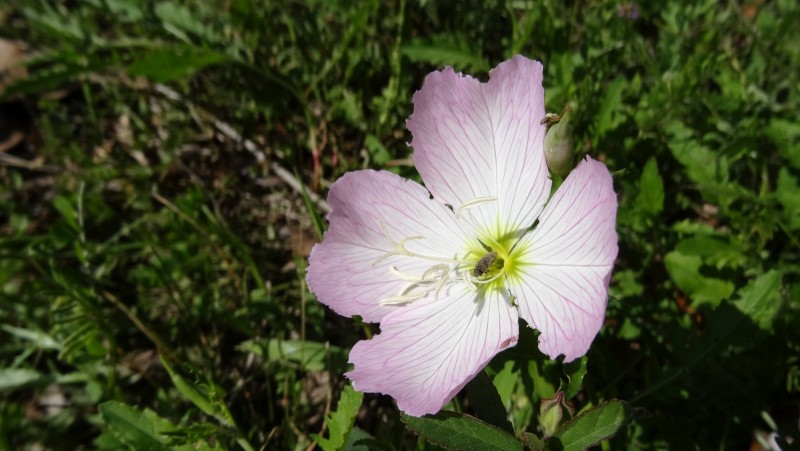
x,y
152,257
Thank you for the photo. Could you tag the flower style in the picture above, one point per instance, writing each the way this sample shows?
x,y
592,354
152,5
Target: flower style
x,y
447,273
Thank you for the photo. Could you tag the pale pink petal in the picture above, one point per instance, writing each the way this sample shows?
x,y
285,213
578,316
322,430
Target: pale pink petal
x,y
426,352
475,140
342,272
567,262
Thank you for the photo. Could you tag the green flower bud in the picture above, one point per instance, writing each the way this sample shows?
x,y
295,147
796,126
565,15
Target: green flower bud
x,y
558,145
551,413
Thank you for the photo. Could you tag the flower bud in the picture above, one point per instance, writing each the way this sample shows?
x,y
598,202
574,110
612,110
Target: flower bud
x,y
551,412
558,145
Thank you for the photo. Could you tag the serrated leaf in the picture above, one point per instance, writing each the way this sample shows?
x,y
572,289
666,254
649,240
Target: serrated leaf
x,y
684,270
461,432
714,250
651,194
136,428
575,372
340,422
591,427
702,165
760,299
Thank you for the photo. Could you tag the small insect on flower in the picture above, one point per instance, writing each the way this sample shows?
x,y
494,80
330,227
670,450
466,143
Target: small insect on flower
x,y
483,265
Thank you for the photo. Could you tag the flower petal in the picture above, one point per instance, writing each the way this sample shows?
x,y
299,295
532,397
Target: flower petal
x,y
567,262
342,270
427,351
473,140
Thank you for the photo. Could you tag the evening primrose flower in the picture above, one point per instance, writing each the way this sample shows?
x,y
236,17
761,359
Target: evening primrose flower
x,y
447,269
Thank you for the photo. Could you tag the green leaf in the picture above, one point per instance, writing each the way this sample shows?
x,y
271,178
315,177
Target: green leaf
x,y
39,339
188,390
607,117
65,207
377,151
714,250
13,378
702,165
592,426
760,299
170,64
340,422
786,135
651,196
533,442
316,219
505,381
787,192
461,432
311,355
138,429
575,372
486,402
442,50
179,20
684,270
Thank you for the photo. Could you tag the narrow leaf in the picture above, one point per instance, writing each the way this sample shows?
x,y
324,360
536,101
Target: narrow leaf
x,y
316,219
188,390
12,378
171,64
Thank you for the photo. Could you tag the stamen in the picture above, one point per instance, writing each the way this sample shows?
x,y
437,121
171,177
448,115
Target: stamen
x,y
400,249
424,282
404,276
442,268
497,276
465,275
473,203
399,300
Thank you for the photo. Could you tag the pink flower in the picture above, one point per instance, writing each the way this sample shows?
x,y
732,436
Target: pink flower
x,y
448,273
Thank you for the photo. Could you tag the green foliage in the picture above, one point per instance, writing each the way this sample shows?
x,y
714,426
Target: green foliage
x,y
340,422
152,264
462,432
590,427
136,429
